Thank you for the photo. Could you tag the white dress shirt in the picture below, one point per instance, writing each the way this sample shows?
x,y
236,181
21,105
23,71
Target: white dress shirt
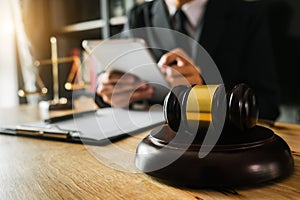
x,y
193,10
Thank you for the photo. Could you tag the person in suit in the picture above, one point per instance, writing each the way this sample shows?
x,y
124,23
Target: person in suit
x,y
234,33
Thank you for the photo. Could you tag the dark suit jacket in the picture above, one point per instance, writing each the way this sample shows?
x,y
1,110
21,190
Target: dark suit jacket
x,y
235,34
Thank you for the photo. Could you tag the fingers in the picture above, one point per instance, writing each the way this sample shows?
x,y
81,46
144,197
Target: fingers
x,y
177,56
120,90
187,70
141,94
167,58
124,99
179,68
108,80
181,80
113,77
108,89
187,75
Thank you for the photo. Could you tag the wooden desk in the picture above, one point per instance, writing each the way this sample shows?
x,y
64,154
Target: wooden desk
x,y
41,169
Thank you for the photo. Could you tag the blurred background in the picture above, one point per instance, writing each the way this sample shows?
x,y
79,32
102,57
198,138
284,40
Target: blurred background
x,y
26,27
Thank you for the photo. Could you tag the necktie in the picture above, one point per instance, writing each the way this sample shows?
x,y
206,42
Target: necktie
x,y
179,21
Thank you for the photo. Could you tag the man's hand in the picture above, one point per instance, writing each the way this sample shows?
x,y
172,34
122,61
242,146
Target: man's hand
x,y
179,68
120,90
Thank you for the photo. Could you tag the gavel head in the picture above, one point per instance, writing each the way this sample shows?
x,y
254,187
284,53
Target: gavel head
x,y
200,106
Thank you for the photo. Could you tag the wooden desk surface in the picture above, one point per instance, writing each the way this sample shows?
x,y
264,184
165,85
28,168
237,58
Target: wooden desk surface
x,y
41,169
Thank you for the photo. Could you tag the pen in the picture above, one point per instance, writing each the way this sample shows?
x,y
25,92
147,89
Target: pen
x,y
67,117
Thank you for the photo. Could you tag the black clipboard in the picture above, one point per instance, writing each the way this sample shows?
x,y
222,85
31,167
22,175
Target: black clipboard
x,y
66,130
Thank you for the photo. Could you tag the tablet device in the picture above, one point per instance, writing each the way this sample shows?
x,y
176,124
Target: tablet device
x,y
129,56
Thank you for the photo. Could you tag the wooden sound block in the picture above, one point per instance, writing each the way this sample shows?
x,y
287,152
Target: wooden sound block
x,y
238,159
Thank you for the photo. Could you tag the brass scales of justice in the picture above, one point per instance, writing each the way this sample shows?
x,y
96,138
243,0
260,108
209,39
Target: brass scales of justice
x,y
57,103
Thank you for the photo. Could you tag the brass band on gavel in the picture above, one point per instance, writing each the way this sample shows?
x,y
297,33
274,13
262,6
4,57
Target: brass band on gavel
x,y
199,105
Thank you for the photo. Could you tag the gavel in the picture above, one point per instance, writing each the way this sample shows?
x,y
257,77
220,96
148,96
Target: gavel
x,y
211,132
196,107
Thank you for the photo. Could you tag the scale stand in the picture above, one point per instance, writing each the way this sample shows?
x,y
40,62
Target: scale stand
x,y
57,103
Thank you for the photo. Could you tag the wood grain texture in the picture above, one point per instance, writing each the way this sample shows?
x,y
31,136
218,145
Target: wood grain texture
x,y
41,169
